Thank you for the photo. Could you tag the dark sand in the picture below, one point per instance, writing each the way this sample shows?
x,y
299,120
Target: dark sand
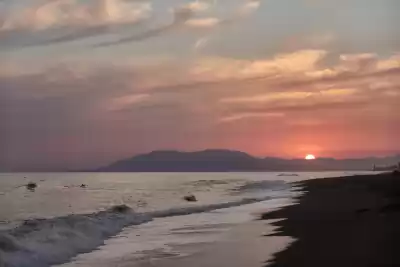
x,y
340,222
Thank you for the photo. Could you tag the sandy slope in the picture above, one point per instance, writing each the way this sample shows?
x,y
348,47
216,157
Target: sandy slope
x,y
349,221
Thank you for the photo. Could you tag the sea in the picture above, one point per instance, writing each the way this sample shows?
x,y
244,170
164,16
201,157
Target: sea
x,y
70,219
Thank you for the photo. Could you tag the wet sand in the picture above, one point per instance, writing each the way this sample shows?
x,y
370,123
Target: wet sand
x,y
244,246
347,221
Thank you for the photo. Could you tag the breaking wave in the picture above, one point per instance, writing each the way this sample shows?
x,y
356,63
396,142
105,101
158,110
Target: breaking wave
x,y
260,186
44,242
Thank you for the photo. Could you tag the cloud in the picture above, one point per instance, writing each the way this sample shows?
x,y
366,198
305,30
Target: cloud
x,y
353,92
298,96
242,116
183,16
283,64
358,62
330,105
292,83
62,21
78,34
197,6
248,8
180,16
211,23
203,22
119,103
294,71
74,13
245,78
387,64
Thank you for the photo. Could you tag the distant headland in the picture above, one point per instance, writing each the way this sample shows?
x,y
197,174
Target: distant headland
x,y
220,160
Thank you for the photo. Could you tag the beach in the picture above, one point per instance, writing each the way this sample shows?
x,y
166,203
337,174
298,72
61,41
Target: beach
x,y
348,221
345,221
252,220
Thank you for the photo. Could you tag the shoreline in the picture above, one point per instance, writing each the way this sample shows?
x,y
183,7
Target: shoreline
x,y
242,246
345,221
349,221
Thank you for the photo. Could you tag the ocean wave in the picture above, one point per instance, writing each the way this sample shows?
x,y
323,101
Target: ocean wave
x,y
46,242
257,186
205,208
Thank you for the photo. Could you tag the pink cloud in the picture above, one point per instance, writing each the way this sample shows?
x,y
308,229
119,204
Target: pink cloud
x,y
72,13
203,22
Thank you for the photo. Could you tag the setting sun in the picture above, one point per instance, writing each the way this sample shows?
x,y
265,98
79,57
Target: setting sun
x,y
310,157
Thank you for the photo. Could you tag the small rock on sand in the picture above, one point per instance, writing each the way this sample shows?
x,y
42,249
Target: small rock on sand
x,y
121,208
31,186
190,198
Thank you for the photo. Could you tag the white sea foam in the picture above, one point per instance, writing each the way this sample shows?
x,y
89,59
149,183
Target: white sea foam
x,y
50,241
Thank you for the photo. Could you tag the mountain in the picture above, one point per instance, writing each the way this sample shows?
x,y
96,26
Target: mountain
x,y
218,160
174,161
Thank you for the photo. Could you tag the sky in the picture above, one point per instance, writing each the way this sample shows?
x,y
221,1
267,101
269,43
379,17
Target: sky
x,y
86,82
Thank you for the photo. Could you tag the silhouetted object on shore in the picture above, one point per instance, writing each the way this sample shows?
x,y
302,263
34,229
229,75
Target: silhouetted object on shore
x,y
121,208
83,186
31,186
190,198
385,168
